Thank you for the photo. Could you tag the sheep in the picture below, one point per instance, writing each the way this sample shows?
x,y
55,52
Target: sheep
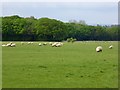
x,y
9,44
3,45
111,46
22,43
54,44
13,45
29,43
57,44
44,43
99,49
40,44
50,43
61,44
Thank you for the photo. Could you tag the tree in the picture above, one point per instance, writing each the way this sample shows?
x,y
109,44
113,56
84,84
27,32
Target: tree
x,y
112,32
50,29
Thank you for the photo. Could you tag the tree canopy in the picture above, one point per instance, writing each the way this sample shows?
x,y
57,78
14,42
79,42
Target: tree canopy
x,y
46,29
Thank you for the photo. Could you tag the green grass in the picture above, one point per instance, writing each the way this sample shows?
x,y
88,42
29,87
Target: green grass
x,y
75,65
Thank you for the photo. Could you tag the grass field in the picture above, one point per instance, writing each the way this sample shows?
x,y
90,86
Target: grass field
x,y
74,65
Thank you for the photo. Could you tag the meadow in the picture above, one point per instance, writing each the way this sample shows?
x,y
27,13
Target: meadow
x,y
74,65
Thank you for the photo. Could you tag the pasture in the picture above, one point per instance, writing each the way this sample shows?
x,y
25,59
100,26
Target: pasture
x,y
74,65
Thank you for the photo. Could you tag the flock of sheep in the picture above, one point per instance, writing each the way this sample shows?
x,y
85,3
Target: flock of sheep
x,y
11,44
53,44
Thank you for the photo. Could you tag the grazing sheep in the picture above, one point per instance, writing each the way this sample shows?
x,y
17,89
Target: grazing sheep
x,y
40,44
99,49
45,43
111,46
11,42
22,43
50,43
3,45
61,44
29,43
13,45
57,44
54,44
9,45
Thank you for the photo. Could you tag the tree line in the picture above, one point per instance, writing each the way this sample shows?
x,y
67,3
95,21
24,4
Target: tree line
x,y
16,28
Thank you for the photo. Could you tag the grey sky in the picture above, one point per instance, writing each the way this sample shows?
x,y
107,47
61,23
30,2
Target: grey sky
x,y
92,12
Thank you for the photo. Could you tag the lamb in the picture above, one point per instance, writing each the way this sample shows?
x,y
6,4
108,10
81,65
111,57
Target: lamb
x,y
99,49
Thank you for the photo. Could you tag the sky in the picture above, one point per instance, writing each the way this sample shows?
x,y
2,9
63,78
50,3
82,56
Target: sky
x,y
103,13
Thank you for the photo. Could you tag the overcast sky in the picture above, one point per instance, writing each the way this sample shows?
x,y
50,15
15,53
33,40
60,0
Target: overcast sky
x,y
104,13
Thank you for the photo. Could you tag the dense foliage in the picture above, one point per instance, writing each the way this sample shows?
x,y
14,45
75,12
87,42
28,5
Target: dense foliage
x,y
46,29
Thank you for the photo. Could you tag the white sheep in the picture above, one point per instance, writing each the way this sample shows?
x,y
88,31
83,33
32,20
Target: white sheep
x,y
99,49
11,42
50,43
8,45
44,43
29,42
54,44
13,45
61,44
57,44
3,45
22,43
111,46
40,44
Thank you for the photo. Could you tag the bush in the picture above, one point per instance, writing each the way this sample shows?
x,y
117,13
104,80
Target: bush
x,y
71,40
